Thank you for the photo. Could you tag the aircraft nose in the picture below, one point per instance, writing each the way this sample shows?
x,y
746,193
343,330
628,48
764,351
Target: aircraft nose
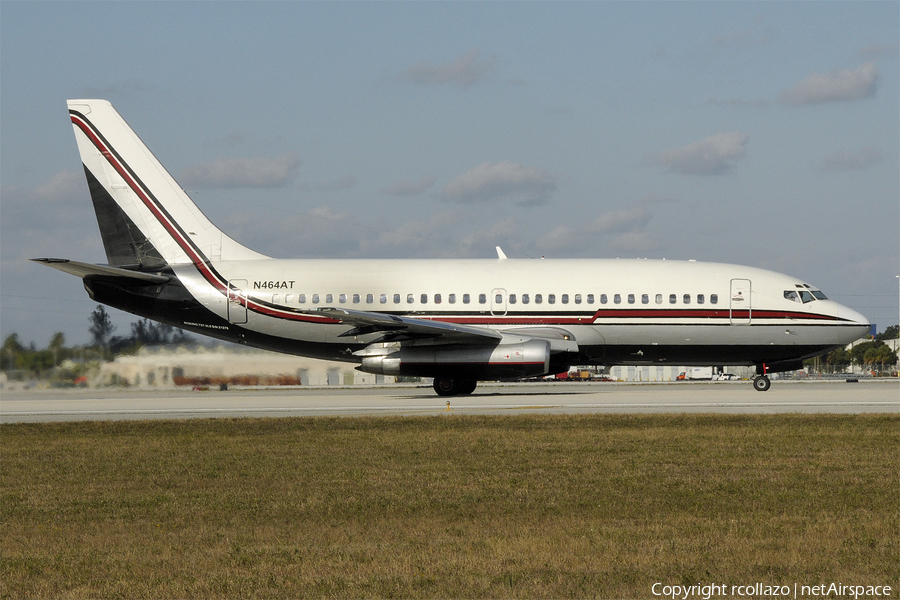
x,y
848,314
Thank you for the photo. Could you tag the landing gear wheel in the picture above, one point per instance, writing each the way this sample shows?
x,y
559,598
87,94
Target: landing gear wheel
x,y
761,383
446,386
467,386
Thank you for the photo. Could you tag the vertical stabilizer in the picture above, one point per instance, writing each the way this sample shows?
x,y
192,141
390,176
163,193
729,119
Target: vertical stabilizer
x,y
145,218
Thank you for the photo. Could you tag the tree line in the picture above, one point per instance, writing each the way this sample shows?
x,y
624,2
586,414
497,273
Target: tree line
x,y
30,361
34,362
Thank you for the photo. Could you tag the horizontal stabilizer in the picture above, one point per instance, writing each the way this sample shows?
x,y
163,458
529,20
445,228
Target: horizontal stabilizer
x,y
86,269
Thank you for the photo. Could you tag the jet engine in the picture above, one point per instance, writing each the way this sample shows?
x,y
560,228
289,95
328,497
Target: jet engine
x,y
504,361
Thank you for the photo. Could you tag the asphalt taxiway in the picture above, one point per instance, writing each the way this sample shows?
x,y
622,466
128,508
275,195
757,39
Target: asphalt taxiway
x,y
866,396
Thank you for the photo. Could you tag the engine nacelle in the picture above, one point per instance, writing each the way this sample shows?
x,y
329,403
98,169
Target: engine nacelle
x,y
505,361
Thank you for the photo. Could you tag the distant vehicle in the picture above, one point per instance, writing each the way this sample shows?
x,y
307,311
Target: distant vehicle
x,y
457,321
728,377
697,374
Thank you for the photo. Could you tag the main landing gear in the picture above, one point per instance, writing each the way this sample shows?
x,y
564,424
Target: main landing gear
x,y
450,386
761,383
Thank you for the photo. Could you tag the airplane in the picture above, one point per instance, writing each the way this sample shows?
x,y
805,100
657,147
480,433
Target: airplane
x,y
456,321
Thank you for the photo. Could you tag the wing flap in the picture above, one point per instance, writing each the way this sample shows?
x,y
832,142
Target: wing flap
x,y
400,328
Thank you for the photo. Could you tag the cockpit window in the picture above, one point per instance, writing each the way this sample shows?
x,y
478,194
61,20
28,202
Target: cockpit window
x,y
806,296
819,295
791,295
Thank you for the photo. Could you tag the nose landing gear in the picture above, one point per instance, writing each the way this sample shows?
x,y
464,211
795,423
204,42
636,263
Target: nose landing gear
x,y
761,383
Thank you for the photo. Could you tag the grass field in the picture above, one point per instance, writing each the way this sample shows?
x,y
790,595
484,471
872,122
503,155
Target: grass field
x,y
452,506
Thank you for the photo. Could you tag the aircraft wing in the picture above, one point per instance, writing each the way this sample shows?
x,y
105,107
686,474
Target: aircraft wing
x,y
398,328
124,276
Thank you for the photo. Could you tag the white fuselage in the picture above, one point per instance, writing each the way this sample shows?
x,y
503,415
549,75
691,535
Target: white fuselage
x,y
610,306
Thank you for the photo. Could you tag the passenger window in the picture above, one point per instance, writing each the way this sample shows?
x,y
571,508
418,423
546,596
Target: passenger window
x,y
410,298
482,298
713,299
577,298
329,298
342,298
525,299
590,298
630,298
603,298
673,299
498,298
451,298
437,298
289,298
382,298
687,298
396,298
565,299
315,298
512,298
274,298
355,298
538,298
659,298
701,298
424,299
551,298
370,298
645,299
301,298
465,298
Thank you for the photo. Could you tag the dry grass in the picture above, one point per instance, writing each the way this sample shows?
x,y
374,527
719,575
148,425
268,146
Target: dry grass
x,y
450,506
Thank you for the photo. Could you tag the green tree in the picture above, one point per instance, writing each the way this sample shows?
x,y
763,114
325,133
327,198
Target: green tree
x,y
101,327
891,333
12,352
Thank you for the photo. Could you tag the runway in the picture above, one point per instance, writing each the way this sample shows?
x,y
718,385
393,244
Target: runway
x,y
867,396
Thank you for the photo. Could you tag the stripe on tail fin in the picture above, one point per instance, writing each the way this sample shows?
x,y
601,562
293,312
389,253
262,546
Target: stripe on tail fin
x,y
145,217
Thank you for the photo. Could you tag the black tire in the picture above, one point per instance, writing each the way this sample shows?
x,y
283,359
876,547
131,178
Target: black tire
x,y
446,386
467,386
761,383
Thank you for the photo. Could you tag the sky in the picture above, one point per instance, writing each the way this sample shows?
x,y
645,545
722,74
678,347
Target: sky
x,y
756,133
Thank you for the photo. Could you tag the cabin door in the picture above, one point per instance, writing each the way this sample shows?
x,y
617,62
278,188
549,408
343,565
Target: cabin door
x,y
237,301
741,310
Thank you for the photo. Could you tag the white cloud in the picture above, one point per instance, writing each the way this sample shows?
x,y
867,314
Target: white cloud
x,y
410,188
849,161
878,50
837,86
61,187
626,229
635,241
464,71
258,172
629,219
711,156
492,181
53,218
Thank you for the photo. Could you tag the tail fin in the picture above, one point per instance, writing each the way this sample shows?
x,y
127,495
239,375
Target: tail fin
x,y
145,218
